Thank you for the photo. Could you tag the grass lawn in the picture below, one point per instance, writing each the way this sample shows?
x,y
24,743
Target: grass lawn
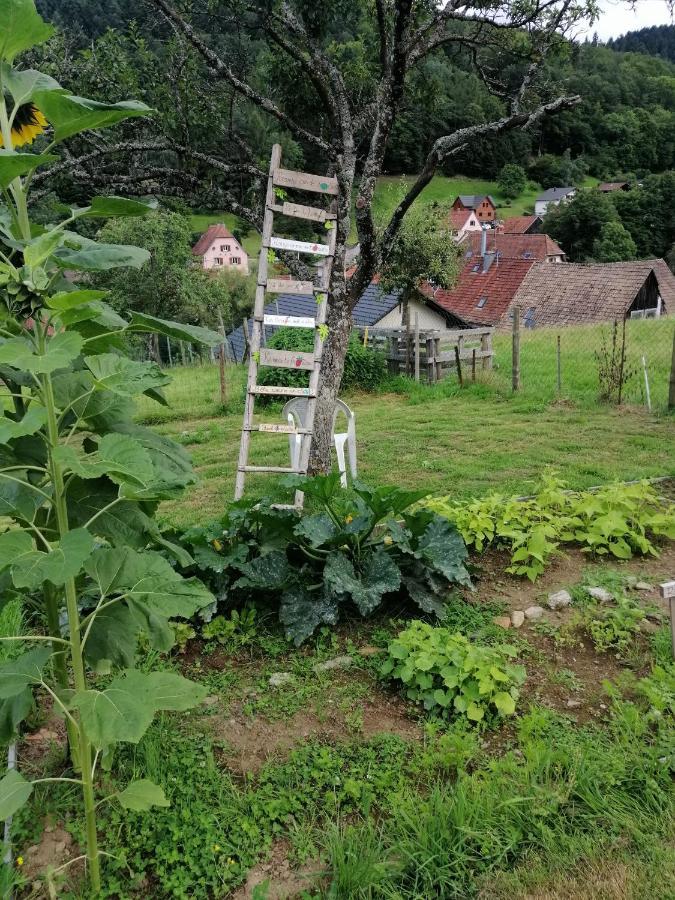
x,y
465,442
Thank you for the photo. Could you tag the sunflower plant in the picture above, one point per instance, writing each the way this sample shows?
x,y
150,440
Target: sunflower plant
x,y
79,480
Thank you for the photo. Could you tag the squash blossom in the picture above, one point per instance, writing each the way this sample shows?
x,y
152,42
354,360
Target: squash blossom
x,y
19,860
28,124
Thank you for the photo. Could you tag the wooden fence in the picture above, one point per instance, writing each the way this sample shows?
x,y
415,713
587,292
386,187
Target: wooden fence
x,y
433,355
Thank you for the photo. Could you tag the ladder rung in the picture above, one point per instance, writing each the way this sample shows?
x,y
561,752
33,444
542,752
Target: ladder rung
x,y
281,391
274,428
304,181
286,470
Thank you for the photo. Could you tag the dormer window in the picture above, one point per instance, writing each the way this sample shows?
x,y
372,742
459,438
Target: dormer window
x,y
481,303
476,268
528,254
468,254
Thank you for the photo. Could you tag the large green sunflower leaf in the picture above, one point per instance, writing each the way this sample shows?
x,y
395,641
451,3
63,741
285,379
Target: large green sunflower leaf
x,y
23,83
18,500
142,795
86,255
13,164
14,793
13,711
118,456
22,28
61,563
23,672
33,421
71,115
104,207
178,331
126,708
61,350
124,376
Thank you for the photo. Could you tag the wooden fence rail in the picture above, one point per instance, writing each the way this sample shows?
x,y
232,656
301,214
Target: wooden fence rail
x,y
432,355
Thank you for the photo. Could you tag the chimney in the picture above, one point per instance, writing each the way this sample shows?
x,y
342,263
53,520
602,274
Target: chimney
x,y
483,240
488,259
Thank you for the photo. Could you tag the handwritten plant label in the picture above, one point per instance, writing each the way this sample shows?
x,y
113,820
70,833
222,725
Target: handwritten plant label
x,y
282,391
297,211
320,184
286,359
290,321
278,429
300,246
289,286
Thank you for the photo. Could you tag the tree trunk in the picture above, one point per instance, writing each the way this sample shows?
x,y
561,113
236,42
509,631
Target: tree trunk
x,y
332,367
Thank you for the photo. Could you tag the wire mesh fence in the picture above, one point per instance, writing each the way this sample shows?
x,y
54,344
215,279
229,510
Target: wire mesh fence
x,y
629,363
624,362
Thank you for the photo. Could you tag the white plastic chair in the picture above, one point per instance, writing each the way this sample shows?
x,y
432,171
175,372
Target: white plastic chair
x,y
295,413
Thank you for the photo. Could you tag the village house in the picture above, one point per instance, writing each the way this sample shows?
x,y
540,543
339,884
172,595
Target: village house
x,y
552,197
483,205
512,246
375,309
576,294
219,249
463,221
521,225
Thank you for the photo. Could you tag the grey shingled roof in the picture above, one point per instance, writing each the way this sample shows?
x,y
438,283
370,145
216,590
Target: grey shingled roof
x,y
471,201
372,306
555,193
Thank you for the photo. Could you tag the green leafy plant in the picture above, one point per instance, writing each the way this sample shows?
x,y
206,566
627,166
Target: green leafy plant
x,y
79,480
234,631
614,627
451,676
351,553
619,519
659,690
183,632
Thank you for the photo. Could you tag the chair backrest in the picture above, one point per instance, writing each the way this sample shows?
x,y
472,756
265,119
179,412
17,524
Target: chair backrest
x,y
298,406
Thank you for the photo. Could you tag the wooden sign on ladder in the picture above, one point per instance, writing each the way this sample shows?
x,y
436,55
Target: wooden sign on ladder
x,y
305,361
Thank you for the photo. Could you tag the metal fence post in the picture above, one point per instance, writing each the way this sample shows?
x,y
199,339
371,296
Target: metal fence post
x,y
671,386
515,352
559,365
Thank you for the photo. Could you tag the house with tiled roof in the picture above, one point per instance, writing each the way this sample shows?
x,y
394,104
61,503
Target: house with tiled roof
x,y
482,204
462,222
552,197
375,308
513,246
521,225
484,290
218,248
576,294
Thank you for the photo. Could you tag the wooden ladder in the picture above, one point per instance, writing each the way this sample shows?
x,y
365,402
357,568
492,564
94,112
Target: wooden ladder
x,y
285,359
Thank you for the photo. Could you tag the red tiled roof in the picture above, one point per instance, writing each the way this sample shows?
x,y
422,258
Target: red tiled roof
x,y
519,224
513,246
458,217
499,285
212,233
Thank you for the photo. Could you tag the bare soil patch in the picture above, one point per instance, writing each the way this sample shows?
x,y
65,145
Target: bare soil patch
x,y
253,741
283,882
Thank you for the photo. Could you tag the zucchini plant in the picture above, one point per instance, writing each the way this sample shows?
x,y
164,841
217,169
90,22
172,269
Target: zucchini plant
x,y
79,480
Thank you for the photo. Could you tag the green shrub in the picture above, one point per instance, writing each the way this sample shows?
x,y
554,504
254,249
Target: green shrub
x,y
619,519
450,675
364,369
356,550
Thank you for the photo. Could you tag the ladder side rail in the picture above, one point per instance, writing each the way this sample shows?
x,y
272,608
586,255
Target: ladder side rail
x,y
258,311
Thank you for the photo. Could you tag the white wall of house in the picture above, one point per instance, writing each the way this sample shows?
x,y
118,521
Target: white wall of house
x,y
226,253
428,318
541,206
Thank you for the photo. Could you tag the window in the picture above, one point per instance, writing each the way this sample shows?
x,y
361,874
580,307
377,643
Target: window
x,y
468,254
224,248
235,261
480,213
476,268
528,320
481,303
528,254
218,261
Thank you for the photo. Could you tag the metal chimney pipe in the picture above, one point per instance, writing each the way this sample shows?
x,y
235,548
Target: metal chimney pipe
x,y
483,240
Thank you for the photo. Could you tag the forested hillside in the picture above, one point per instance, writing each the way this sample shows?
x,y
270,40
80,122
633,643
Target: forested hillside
x,y
626,123
659,40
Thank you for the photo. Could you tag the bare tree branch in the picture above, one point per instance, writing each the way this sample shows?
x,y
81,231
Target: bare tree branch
x,y
221,68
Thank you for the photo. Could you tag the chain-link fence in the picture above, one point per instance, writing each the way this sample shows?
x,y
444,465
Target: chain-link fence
x,y
629,362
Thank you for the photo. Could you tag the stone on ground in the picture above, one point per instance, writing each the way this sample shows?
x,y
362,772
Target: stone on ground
x,y
601,594
534,612
278,679
338,662
517,618
502,621
559,600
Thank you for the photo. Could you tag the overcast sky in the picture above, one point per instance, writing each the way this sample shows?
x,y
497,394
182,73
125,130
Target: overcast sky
x,y
618,17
